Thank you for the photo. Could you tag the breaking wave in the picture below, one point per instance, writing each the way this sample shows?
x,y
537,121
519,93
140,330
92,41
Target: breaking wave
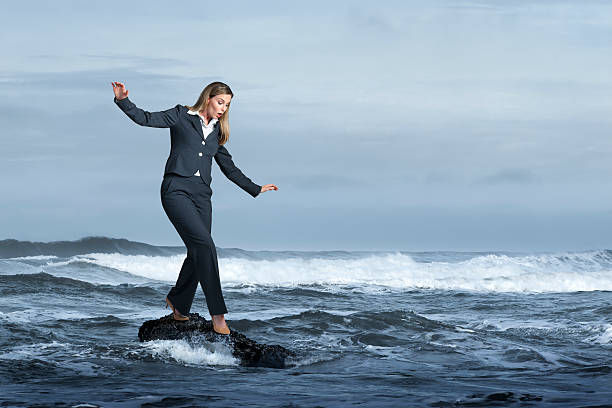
x,y
488,272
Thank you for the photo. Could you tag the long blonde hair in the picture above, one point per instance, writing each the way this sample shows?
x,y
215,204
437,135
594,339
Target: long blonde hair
x,y
214,89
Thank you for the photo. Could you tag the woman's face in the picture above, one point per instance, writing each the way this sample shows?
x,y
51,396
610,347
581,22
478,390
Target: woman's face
x,y
217,105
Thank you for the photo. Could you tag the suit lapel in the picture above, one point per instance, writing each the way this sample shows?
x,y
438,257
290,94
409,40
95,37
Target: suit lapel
x,y
213,135
195,121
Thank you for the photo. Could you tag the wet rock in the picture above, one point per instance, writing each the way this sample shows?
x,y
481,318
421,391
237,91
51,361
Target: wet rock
x,y
493,399
501,396
250,353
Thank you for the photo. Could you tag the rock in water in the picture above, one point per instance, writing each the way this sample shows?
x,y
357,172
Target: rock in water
x,y
249,352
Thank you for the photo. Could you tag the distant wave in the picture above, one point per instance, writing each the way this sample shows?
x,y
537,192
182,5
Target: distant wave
x,y
490,273
116,261
587,271
11,248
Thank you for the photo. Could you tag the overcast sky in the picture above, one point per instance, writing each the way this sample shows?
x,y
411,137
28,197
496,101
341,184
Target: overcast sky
x,y
398,125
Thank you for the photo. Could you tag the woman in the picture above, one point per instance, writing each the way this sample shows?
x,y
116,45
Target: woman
x,y
197,134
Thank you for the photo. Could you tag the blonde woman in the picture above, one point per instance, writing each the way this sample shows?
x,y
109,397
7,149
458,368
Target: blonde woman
x,y
197,134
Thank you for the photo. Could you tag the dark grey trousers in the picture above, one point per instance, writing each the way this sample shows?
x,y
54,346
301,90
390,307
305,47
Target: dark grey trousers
x,y
186,201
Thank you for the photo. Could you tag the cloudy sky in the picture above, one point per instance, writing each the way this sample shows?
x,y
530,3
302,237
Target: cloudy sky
x,y
439,125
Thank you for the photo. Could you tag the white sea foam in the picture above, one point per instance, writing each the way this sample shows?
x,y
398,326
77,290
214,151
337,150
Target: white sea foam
x,y
56,353
495,273
164,268
29,351
267,313
311,360
597,334
603,335
34,258
186,353
37,315
8,267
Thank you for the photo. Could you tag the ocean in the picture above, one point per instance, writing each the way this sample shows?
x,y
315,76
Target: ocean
x,y
369,328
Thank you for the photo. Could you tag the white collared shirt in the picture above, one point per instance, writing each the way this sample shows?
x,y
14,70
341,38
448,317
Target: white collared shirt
x,y
206,130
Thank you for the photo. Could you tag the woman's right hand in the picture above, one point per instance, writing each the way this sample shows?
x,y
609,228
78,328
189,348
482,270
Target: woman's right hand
x,y
120,91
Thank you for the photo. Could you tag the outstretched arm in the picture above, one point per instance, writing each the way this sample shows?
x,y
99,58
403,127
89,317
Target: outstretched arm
x,y
161,119
227,166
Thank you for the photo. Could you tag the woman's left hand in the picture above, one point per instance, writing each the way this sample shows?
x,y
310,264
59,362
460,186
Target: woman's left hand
x,y
268,187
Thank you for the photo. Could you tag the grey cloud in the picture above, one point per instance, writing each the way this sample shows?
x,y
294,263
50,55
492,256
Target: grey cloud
x,y
324,181
85,79
371,21
509,176
121,59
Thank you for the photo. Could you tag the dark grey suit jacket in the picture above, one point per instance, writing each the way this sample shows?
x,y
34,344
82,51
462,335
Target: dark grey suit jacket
x,y
189,151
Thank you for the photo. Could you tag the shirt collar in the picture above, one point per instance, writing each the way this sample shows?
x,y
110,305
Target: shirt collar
x,y
210,122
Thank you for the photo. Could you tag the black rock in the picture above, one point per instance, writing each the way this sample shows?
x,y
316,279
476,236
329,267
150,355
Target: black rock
x,y
501,396
486,400
249,352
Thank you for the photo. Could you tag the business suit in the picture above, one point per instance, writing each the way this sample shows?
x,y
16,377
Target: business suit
x,y
186,198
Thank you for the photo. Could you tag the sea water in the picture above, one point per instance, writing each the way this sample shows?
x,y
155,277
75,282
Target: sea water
x,y
384,328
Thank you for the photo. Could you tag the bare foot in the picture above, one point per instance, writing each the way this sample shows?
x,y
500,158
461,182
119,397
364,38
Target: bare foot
x,y
218,320
176,314
219,324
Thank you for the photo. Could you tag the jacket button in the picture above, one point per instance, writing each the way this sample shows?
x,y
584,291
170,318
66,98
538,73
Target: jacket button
x,y
200,154
203,142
